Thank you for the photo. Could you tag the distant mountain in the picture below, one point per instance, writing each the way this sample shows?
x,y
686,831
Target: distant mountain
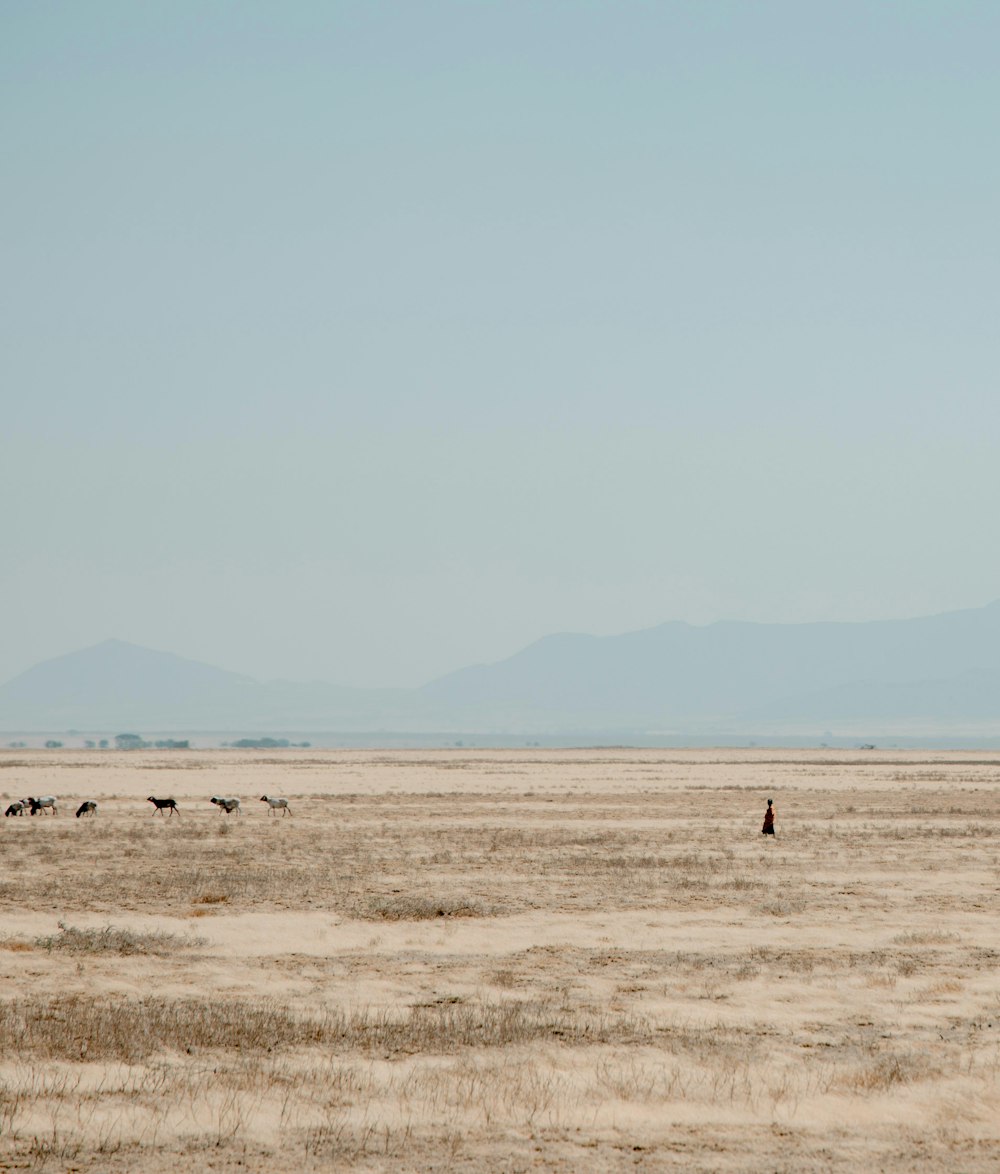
x,y
934,673
121,674
727,675
115,685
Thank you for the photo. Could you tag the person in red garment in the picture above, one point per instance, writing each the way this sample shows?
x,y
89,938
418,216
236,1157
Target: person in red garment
x,y
768,828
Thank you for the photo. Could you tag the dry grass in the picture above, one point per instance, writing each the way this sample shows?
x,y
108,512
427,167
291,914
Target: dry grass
x,y
110,939
132,1030
501,961
416,907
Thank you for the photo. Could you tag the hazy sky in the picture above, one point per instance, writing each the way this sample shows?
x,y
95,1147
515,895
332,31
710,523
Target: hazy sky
x,y
364,340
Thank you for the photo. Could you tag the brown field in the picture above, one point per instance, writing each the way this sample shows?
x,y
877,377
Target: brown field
x,y
502,960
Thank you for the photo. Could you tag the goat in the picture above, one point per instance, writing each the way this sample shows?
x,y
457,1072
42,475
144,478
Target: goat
x,y
275,804
16,808
46,801
227,805
161,804
87,808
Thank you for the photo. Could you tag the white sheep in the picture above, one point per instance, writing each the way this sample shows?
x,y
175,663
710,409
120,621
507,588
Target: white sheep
x,y
275,804
45,802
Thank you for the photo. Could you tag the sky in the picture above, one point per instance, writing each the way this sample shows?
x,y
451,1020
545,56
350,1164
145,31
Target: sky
x,y
363,340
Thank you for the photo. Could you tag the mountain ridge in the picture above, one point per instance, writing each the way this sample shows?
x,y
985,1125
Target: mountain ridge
x,y
724,675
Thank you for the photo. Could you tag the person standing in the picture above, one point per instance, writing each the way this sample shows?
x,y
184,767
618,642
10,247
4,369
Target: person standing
x,y
768,828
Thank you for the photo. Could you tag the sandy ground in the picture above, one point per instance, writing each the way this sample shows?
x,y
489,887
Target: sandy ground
x,y
509,960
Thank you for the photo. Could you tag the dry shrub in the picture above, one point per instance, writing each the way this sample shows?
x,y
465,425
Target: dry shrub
x,y
210,899
944,986
783,906
111,940
881,980
885,1072
936,937
413,907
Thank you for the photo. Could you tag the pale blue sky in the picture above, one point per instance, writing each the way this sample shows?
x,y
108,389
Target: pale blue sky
x,y
362,341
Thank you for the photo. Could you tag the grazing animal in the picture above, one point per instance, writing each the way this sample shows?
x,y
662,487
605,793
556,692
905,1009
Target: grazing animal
x,y
46,802
275,804
163,804
227,805
87,808
16,808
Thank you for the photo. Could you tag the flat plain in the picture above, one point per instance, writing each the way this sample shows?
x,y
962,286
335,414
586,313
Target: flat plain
x,y
572,960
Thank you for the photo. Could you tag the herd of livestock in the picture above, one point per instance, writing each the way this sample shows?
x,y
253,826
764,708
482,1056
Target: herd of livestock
x,y
89,807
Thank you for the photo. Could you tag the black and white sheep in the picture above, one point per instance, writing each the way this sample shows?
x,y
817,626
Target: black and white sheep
x,y
227,805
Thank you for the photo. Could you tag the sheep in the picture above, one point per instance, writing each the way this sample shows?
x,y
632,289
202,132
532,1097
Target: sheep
x,y
89,807
275,804
163,804
16,808
45,802
227,805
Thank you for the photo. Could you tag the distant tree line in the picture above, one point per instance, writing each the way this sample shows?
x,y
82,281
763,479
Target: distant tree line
x,y
136,742
264,744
